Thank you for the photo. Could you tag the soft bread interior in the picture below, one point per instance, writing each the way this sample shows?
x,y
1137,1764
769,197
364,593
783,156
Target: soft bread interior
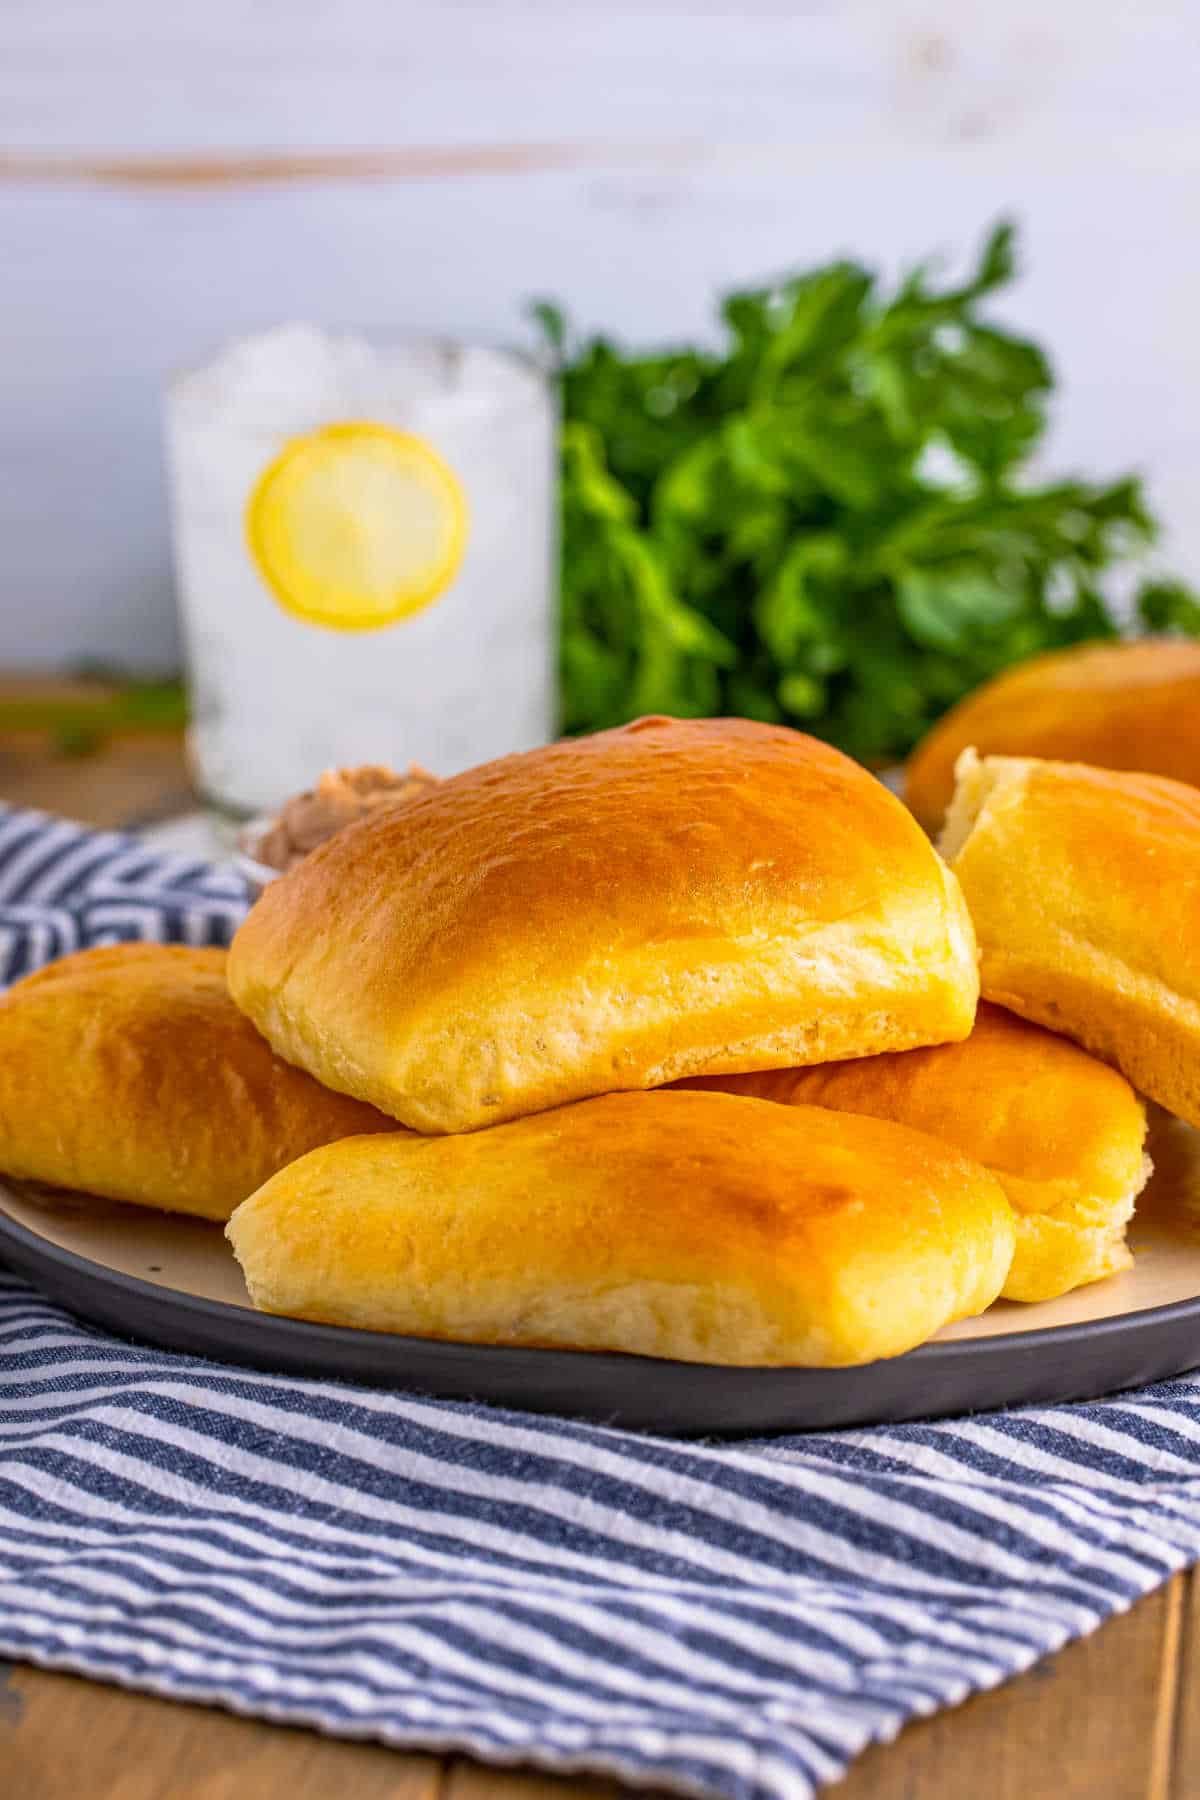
x,y
1071,1242
976,780
1063,1245
1081,884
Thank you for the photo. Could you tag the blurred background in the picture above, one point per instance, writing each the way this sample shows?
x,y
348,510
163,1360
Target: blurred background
x,y
172,178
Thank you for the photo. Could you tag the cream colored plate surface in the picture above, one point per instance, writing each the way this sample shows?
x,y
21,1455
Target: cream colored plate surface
x,y
189,1255
193,1257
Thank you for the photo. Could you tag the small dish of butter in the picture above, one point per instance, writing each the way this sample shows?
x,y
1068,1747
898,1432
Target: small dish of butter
x,y
272,844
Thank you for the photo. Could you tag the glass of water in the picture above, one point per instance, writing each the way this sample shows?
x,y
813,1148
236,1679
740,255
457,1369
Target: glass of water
x,y
364,539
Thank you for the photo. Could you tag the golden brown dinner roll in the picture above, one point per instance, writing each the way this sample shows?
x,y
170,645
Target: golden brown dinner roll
x,y
128,1072
614,912
692,1226
1062,1133
1119,706
1084,885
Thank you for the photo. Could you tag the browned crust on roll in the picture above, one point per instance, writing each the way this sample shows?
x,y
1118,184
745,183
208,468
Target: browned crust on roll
x,y
672,898
1132,706
692,1226
128,1072
1063,1134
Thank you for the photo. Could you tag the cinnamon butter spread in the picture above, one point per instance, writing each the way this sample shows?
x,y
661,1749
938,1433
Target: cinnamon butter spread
x,y
340,797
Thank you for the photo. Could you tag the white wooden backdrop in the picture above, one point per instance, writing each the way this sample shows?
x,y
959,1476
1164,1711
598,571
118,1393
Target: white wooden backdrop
x,y
171,174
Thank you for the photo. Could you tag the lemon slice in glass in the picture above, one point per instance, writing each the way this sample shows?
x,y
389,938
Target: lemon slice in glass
x,y
356,526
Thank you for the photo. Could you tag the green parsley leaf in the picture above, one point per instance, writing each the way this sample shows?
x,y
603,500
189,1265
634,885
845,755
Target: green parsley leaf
x,y
829,520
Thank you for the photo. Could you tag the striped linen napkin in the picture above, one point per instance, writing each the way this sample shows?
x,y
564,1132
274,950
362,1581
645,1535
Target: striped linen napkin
x,y
720,1619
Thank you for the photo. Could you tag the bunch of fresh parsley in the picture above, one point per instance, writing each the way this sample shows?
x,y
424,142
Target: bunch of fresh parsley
x,y
828,523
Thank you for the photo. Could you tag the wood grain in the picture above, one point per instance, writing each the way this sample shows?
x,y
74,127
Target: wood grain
x,y
62,1738
418,163
476,1781
640,249
1095,1722
307,75
1184,1760
134,779
1086,1724
1166,1710
173,176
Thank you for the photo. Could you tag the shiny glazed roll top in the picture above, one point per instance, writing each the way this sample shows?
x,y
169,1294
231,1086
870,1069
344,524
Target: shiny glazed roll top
x,y
671,898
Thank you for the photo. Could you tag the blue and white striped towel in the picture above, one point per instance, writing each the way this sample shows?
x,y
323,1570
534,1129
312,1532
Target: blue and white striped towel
x,y
732,1620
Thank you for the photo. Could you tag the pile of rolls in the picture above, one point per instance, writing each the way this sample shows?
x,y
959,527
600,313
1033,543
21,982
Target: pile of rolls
x,y
668,1040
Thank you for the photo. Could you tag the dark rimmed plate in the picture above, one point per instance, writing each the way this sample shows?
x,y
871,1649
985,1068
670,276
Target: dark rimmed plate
x,y
174,1283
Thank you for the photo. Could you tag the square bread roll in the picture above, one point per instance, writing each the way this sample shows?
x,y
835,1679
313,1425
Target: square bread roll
x,y
1084,885
698,1227
128,1072
1063,1134
672,898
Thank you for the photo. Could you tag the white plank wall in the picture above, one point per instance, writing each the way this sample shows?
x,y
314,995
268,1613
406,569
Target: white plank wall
x,y
170,175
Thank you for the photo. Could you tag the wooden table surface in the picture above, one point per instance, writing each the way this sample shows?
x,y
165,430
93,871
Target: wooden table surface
x,y
1115,1717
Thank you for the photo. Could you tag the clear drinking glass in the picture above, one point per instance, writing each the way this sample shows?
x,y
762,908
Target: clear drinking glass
x,y
276,698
